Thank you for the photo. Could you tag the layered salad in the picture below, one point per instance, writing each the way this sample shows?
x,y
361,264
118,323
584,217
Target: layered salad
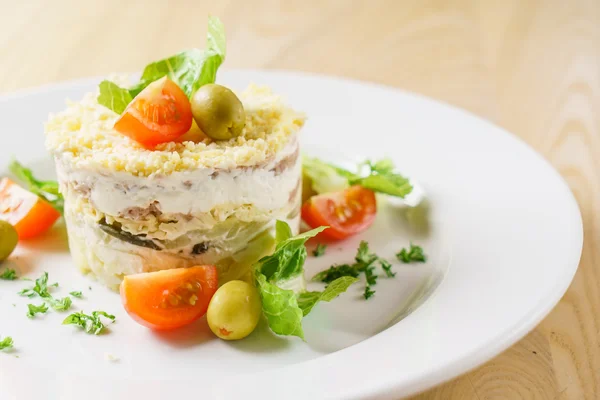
x,y
130,209
187,196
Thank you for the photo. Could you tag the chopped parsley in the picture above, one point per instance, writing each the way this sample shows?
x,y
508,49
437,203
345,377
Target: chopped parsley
x,y
32,309
76,294
387,268
336,271
60,304
319,250
92,324
363,258
370,276
6,343
364,261
41,289
371,281
9,275
413,254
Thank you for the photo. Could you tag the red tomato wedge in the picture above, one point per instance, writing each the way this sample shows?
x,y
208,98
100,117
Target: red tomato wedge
x,y
346,213
28,213
160,113
169,299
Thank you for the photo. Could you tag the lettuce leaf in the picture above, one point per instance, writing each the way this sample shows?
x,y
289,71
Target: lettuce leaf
x,y
215,39
190,69
282,232
380,177
114,97
307,300
47,190
288,259
383,179
283,308
280,308
324,177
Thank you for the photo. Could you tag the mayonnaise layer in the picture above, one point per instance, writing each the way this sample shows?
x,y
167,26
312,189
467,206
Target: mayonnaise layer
x,y
267,187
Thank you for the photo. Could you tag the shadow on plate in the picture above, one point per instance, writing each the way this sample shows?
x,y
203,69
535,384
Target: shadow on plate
x,y
191,335
415,219
262,340
22,265
53,241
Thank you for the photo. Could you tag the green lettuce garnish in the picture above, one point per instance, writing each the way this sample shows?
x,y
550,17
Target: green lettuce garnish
x,y
324,177
190,69
6,343
114,97
283,308
280,308
47,190
377,176
307,300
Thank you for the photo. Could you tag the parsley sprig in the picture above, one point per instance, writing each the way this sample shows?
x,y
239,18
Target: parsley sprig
x,y
336,271
9,274
92,324
6,343
364,263
32,309
60,304
319,250
42,289
387,268
413,254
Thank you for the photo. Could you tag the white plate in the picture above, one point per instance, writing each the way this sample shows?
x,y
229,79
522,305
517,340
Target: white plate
x,y
504,238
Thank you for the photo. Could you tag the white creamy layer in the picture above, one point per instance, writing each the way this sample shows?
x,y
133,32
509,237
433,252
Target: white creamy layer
x,y
200,191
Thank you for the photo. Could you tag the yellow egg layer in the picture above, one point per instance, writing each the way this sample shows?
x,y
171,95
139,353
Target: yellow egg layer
x,y
82,136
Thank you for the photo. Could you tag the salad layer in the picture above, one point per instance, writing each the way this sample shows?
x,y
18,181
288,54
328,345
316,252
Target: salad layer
x,y
219,192
83,137
108,254
124,226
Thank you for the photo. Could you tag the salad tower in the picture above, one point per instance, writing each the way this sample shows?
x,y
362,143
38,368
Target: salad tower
x,y
187,197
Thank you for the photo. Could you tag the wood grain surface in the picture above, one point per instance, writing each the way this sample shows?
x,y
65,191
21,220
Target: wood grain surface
x,y
531,66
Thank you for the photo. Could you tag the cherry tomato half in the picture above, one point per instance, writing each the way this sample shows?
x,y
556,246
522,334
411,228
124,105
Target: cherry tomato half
x,y
169,299
347,212
28,213
160,113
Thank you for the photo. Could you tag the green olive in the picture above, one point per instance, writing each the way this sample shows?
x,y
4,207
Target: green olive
x,y
8,239
234,310
218,112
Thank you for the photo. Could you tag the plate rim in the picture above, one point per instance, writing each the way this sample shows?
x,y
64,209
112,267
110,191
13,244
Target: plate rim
x,y
444,373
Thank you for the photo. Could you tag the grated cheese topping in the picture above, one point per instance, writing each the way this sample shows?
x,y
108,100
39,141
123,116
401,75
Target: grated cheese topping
x,y
82,136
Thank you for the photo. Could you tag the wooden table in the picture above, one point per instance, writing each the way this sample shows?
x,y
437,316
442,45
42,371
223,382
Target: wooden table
x,y
532,67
